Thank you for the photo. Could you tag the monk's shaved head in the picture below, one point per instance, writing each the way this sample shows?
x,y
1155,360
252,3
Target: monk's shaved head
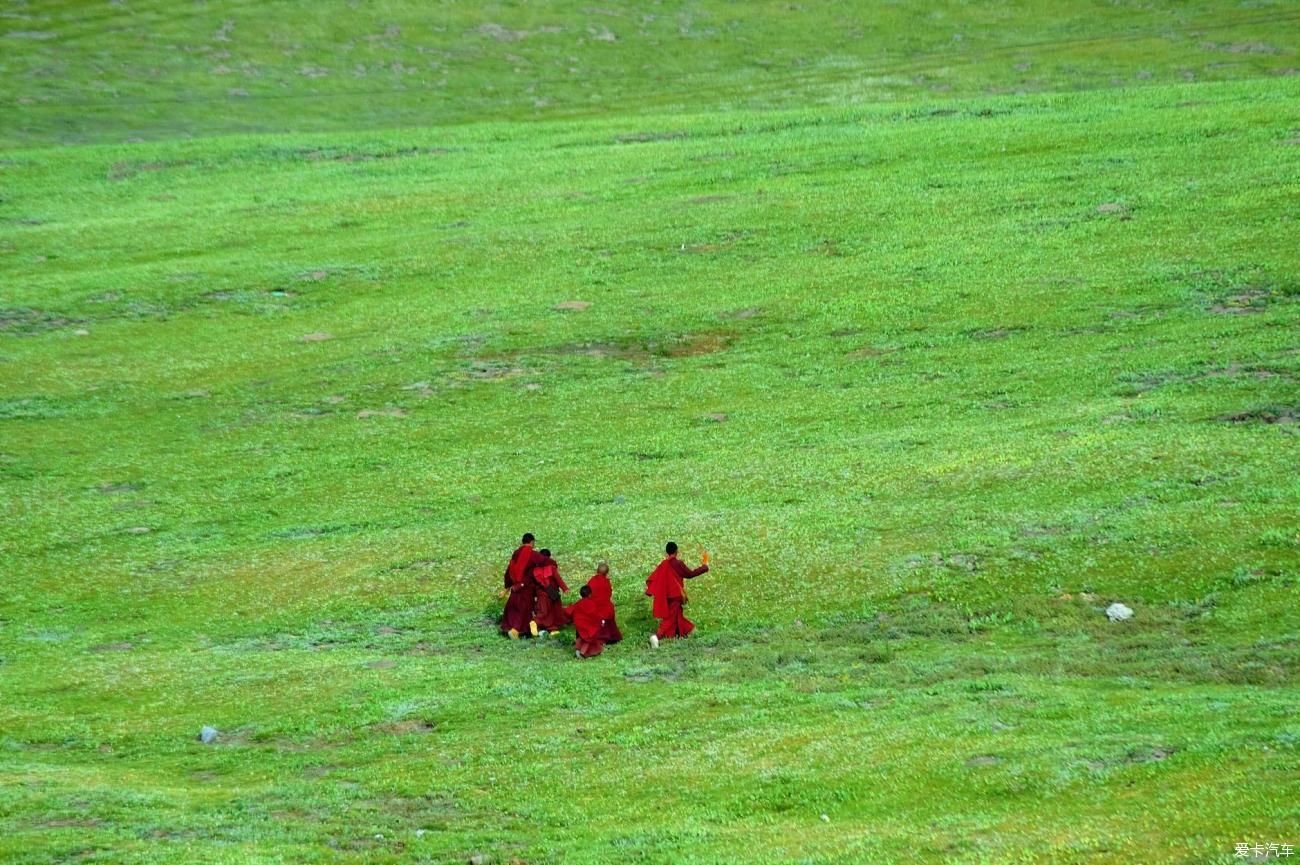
x,y
670,548
602,568
528,538
585,591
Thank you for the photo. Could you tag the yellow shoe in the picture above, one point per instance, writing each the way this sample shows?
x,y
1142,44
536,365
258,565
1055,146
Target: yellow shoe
x,y
532,628
514,635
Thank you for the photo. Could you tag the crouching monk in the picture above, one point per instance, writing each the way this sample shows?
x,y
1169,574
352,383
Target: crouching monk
x,y
588,624
667,585
521,589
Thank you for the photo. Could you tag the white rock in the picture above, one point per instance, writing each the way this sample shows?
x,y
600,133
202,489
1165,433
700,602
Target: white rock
x,y
208,735
1118,613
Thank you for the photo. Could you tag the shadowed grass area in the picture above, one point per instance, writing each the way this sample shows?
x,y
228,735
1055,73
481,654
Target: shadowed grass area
x,y
934,380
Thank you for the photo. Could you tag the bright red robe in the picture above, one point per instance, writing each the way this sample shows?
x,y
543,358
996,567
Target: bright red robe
x,y
549,613
668,588
588,622
519,580
603,594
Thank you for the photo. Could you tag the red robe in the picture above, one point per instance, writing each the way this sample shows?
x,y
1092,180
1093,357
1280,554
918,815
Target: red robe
x,y
519,580
668,588
588,622
603,593
549,612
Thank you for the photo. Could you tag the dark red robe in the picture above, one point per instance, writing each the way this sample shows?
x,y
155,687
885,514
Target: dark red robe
x,y
603,594
587,621
549,612
668,588
519,580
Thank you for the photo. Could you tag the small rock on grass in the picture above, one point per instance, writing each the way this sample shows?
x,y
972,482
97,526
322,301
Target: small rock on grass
x,y
208,735
1119,613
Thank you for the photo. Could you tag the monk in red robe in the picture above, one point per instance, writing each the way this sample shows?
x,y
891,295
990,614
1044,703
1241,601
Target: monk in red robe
x,y
603,594
587,622
667,585
521,589
549,613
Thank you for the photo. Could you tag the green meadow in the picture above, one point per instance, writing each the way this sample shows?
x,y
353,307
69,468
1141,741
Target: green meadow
x,y
941,326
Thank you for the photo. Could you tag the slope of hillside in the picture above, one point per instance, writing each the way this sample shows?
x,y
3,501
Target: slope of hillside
x,y
935,381
73,72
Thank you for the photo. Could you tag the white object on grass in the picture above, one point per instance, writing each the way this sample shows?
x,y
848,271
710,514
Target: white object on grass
x,y
1118,613
654,641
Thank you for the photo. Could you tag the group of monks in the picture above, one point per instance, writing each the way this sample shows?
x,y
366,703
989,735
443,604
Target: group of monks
x,y
534,590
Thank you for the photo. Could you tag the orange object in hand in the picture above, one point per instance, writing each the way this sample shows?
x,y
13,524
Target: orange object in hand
x,y
704,557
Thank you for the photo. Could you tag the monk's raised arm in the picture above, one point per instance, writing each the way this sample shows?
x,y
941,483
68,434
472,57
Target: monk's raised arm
x,y
686,573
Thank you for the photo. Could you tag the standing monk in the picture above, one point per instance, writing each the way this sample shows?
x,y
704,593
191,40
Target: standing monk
x,y
668,587
602,593
549,615
521,587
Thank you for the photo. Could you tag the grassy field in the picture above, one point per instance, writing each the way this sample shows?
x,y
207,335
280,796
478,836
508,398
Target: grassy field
x,y
937,356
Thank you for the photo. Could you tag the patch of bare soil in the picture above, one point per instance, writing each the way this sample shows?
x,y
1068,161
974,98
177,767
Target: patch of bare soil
x,y
489,370
24,320
871,351
695,345
742,314
996,332
125,170
382,412
1251,300
409,727
572,305
1115,209
316,337
1270,415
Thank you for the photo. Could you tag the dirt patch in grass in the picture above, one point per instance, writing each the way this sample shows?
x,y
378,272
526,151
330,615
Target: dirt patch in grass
x,y
24,321
316,337
1243,302
995,332
572,305
491,370
408,727
708,199
685,345
1268,415
870,351
742,314
381,412
127,169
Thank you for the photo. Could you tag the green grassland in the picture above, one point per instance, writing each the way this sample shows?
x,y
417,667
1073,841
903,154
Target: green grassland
x,y
936,356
